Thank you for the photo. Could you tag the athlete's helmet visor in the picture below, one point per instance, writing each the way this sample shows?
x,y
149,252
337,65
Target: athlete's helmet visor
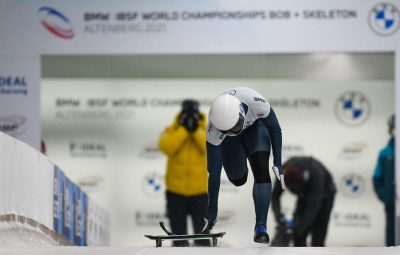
x,y
237,128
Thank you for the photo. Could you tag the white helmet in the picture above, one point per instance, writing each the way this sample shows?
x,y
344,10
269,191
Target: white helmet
x,y
227,114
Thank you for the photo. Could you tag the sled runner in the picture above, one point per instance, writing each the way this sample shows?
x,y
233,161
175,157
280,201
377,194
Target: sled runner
x,y
172,236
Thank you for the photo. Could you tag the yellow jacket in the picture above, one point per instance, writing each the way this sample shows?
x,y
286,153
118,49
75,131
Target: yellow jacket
x,y
187,164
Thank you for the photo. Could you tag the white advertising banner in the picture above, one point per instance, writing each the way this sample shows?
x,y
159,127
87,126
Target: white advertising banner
x,y
105,133
178,26
19,97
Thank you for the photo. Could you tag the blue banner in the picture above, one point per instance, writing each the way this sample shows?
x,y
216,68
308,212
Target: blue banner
x,y
69,189
58,188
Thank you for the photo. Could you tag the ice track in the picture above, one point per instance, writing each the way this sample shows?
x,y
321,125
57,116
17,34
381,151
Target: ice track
x,y
199,251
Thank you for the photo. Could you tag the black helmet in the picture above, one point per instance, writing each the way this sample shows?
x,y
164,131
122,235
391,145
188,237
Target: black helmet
x,y
294,179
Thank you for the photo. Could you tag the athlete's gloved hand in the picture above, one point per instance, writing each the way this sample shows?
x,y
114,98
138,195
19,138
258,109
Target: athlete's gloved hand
x,y
210,219
280,176
208,225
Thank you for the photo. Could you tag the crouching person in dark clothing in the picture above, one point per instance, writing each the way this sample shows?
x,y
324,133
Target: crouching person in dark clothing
x,y
311,182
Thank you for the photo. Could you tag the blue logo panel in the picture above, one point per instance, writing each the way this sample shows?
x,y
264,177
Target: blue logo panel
x,y
69,189
58,188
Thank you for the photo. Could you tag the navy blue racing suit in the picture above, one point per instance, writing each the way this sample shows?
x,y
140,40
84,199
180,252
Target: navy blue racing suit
x,y
261,130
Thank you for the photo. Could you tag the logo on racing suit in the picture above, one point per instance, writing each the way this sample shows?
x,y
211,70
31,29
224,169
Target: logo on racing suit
x,y
258,99
241,108
248,124
260,114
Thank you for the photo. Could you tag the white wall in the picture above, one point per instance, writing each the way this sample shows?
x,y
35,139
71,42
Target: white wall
x,y
32,187
26,183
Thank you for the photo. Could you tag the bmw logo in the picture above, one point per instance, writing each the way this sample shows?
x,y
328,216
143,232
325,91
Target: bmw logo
x,y
352,185
153,184
384,19
352,108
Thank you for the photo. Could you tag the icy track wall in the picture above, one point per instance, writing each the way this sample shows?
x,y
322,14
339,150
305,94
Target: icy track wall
x,y
39,205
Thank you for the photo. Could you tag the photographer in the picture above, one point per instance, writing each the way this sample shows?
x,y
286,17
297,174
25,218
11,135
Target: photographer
x,y
184,142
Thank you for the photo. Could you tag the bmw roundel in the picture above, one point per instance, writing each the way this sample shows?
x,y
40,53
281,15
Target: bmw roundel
x,y
153,184
352,108
352,185
56,22
384,19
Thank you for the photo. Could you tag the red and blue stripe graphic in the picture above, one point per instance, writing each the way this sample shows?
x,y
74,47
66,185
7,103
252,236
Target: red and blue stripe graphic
x,y
56,23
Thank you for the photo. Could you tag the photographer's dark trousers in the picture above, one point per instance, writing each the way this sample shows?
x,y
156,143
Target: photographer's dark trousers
x,y
179,207
319,227
252,144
